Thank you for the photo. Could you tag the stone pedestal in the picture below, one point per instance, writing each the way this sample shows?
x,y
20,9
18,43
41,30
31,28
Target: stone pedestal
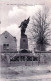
x,y
24,43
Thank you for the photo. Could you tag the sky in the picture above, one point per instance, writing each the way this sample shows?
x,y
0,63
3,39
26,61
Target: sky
x,y
11,17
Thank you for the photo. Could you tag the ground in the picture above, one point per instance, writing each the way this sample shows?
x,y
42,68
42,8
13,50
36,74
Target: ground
x,y
26,73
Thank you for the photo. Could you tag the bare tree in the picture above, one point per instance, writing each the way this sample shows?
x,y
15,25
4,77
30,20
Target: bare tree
x,y
40,30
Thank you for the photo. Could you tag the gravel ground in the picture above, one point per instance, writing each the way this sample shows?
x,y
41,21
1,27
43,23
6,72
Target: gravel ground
x,y
26,73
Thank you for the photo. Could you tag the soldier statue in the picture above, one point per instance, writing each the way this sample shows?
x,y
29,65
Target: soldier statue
x,y
24,26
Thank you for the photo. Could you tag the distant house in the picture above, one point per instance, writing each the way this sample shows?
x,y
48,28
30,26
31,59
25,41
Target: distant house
x,y
8,43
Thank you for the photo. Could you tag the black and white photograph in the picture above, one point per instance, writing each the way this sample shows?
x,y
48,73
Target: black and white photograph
x,y
25,41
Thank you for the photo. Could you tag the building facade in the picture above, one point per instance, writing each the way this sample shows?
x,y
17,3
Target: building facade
x,y
8,43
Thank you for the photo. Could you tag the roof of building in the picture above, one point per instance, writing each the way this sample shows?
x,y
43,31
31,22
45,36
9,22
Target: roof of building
x,y
7,33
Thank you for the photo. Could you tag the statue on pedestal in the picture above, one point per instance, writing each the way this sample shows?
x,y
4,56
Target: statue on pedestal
x,y
24,39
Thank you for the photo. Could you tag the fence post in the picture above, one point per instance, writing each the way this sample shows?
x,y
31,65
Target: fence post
x,y
25,60
32,60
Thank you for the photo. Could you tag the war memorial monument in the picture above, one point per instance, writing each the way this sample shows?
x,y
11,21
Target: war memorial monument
x,y
24,39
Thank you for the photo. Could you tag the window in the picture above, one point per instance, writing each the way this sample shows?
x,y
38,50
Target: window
x,y
5,46
5,37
